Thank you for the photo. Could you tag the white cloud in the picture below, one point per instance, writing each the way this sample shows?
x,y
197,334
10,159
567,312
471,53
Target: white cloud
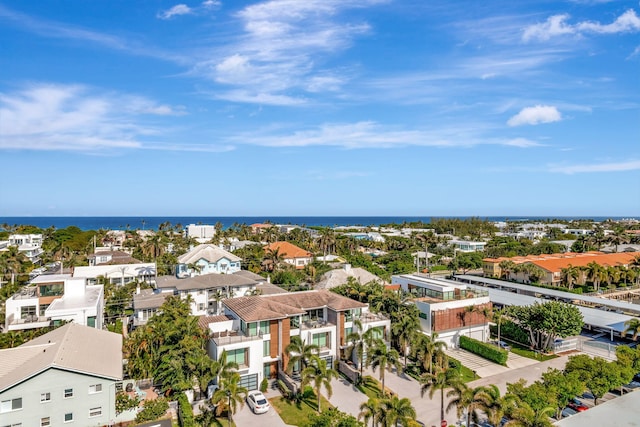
x,y
369,134
630,165
75,118
282,48
522,143
535,115
210,4
177,10
557,25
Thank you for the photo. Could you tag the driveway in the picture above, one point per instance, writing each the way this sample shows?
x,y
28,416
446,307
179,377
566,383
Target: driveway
x,y
246,418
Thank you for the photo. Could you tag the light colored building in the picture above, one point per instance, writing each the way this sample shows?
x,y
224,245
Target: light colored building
x,y
449,308
118,274
206,259
29,244
102,257
256,330
49,299
340,276
68,376
201,233
291,253
468,246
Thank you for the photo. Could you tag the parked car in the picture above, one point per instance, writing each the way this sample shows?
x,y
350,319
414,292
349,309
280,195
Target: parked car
x,y
577,405
503,345
257,402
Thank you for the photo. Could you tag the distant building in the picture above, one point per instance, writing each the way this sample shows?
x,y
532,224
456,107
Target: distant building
x,y
207,259
28,244
69,375
468,246
291,253
449,308
49,299
340,276
201,233
118,274
111,257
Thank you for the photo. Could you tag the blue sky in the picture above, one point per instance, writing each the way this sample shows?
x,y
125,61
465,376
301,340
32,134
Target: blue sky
x,y
320,107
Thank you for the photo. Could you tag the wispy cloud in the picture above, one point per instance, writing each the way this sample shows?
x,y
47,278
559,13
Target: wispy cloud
x,y
625,166
557,25
535,115
76,118
369,134
47,28
177,10
279,55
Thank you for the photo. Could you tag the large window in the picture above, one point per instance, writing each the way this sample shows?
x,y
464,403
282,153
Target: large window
x,y
264,327
314,314
322,340
52,290
11,405
240,356
349,315
266,348
295,322
28,312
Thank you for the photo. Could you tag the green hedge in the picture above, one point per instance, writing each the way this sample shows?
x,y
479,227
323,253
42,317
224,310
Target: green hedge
x,y
185,412
511,331
488,351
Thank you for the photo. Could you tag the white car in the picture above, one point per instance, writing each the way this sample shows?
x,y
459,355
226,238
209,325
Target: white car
x,y
257,402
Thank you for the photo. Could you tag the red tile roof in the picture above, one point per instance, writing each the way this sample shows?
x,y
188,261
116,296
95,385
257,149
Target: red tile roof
x,y
288,250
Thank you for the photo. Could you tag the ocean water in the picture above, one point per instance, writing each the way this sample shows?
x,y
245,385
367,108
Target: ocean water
x,y
152,222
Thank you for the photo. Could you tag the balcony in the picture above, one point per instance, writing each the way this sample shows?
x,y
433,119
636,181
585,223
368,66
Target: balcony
x,y
233,337
29,322
314,324
26,293
372,317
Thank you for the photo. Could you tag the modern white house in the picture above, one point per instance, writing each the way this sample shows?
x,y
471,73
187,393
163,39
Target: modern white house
x,y
206,291
255,330
467,245
29,244
449,308
119,274
200,232
105,256
50,299
68,376
206,259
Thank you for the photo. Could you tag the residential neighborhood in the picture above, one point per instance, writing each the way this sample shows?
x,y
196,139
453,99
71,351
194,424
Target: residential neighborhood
x,y
170,327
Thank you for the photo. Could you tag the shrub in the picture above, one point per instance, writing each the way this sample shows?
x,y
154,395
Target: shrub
x,y
264,384
152,410
185,412
512,331
488,351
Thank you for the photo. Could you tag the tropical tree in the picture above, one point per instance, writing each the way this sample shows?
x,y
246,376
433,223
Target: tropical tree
x,y
427,347
563,386
632,326
380,356
466,400
396,412
300,353
272,259
229,395
506,268
327,241
359,342
370,410
524,416
443,377
404,331
494,405
570,276
318,374
595,274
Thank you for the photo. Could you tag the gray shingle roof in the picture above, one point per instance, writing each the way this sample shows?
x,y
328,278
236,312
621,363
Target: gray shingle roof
x,y
71,347
204,281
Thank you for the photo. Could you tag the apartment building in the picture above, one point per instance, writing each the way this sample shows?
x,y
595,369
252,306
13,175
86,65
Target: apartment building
x,y
255,330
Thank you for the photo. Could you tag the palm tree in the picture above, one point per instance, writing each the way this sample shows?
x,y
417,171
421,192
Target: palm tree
x,y
300,352
495,405
405,330
619,237
632,326
443,377
229,395
524,416
384,358
506,268
428,347
327,241
498,315
570,275
396,412
370,410
359,342
468,312
318,374
272,259
466,400
595,273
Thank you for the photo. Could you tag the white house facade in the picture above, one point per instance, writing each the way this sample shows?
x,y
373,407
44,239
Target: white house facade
x,y
207,259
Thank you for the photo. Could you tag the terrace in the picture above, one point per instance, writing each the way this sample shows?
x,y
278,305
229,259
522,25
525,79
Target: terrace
x,y
233,337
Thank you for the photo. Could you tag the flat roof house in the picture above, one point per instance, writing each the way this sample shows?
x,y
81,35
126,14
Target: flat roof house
x,y
256,330
53,298
69,375
119,274
449,308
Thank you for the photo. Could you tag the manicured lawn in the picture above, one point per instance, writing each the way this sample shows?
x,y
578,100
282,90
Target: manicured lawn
x,y
465,373
370,386
297,414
